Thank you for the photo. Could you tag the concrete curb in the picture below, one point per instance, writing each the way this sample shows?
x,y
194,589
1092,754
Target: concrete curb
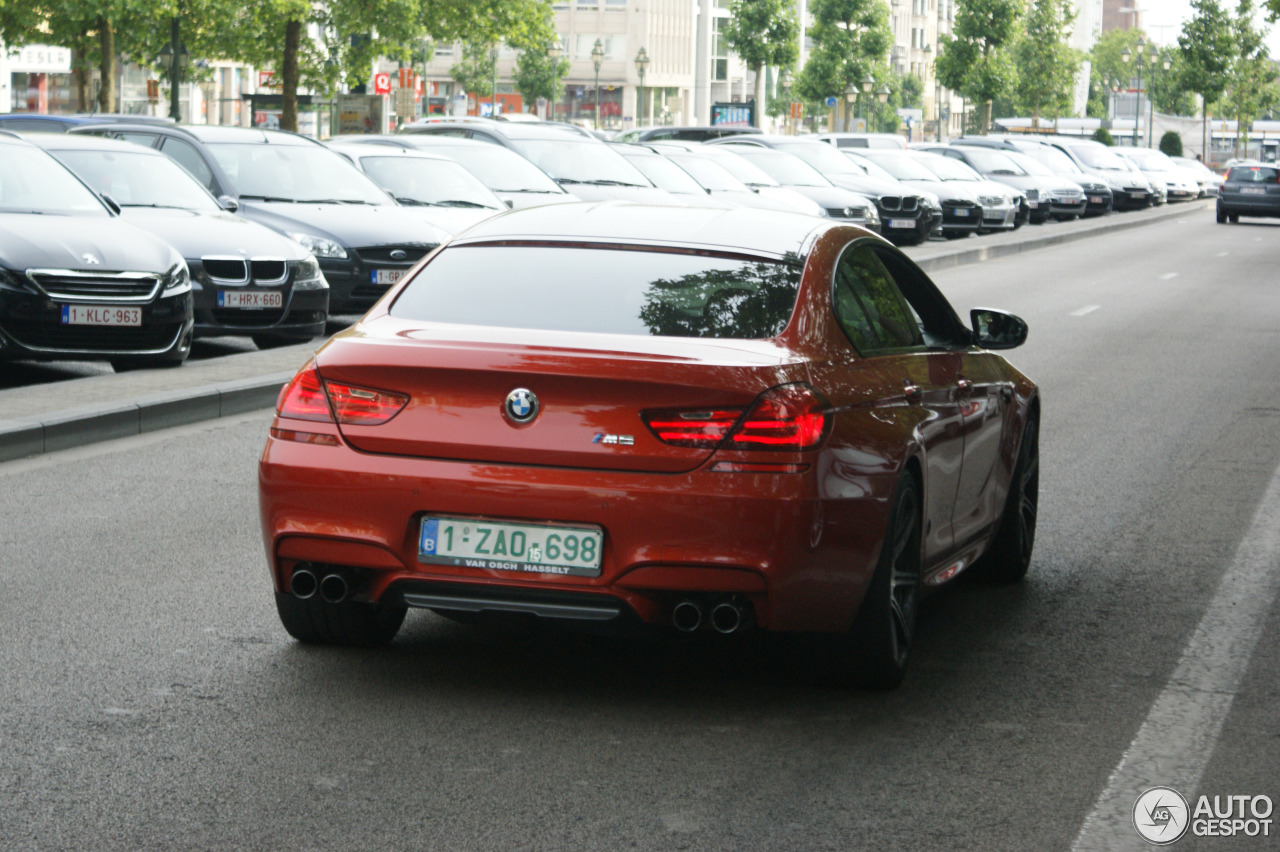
x,y
74,427
1004,245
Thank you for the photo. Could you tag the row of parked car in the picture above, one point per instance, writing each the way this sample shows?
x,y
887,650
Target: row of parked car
x,y
184,231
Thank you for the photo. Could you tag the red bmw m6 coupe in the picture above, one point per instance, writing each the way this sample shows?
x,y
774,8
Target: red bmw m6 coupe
x,y
693,418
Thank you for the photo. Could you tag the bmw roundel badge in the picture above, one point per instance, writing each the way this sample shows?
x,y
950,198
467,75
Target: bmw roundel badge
x,y
521,405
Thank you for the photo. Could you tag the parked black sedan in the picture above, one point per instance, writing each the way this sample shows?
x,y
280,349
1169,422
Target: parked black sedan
x,y
75,281
247,279
1251,189
363,240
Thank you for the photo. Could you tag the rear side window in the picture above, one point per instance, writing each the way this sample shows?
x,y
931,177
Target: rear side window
x,y
869,306
609,291
1253,174
189,159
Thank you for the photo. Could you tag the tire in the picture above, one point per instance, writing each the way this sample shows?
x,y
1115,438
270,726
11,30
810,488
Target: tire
x,y
1009,556
1233,218
1222,217
317,622
873,654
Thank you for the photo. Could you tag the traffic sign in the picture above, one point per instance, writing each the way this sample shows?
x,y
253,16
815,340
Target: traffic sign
x,y
382,84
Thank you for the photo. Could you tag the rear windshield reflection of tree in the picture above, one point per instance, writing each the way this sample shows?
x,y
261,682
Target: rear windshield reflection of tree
x,y
750,301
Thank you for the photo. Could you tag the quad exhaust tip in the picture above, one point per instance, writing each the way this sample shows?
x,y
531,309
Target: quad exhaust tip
x,y
727,617
687,616
333,588
303,584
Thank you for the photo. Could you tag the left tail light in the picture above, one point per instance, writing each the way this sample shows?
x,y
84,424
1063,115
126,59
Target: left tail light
x,y
309,397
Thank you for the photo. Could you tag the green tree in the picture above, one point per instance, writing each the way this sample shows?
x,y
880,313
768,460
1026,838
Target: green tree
x,y
1104,136
537,75
976,59
1046,63
474,71
1251,77
1204,48
762,32
1171,143
851,39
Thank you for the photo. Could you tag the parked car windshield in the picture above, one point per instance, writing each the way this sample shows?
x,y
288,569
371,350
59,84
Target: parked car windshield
x,y
1054,159
141,179
746,171
31,181
418,180
607,291
785,169
1029,164
303,173
569,160
991,162
710,174
947,168
499,169
823,157
666,174
1151,160
905,167
874,170
1100,157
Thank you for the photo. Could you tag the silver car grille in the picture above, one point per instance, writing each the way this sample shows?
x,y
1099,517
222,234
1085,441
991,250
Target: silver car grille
x,y
68,285
263,271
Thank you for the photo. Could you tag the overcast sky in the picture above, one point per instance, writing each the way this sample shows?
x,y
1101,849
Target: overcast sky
x,y
1162,19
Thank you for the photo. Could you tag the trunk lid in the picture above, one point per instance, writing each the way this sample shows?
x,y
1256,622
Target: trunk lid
x,y
590,388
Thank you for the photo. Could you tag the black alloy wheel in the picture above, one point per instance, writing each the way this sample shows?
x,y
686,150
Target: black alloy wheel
x,y
1009,556
873,654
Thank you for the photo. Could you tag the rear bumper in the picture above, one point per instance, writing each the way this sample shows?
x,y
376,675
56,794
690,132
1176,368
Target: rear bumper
x,y
801,562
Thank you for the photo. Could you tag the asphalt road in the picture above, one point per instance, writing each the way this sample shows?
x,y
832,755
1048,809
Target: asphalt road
x,y
150,699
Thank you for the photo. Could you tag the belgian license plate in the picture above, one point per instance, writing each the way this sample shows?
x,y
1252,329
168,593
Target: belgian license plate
x,y
495,546
1253,190
962,211
250,299
386,276
1095,199
902,223
100,315
1139,195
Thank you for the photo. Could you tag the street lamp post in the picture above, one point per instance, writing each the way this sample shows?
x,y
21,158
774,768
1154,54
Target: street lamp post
x,y
554,52
1138,56
1165,64
850,96
493,93
867,83
597,57
175,55
784,83
642,63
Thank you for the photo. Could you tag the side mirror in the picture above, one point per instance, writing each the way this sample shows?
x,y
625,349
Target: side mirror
x,y
994,329
112,204
227,203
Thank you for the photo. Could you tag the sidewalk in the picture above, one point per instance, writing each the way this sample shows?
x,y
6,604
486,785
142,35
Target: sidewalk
x,y
43,418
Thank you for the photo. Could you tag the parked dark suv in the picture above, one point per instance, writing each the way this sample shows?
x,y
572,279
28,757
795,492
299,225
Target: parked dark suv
x,y
1252,189
363,240
75,281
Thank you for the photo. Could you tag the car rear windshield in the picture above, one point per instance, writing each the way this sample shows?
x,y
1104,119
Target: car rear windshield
x,y
1253,174
603,290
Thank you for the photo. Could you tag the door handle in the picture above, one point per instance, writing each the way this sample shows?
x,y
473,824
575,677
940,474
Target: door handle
x,y
965,386
912,391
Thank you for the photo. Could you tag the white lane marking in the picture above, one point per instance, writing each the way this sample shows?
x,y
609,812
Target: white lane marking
x,y
1168,275
1174,744
1087,309
1223,253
